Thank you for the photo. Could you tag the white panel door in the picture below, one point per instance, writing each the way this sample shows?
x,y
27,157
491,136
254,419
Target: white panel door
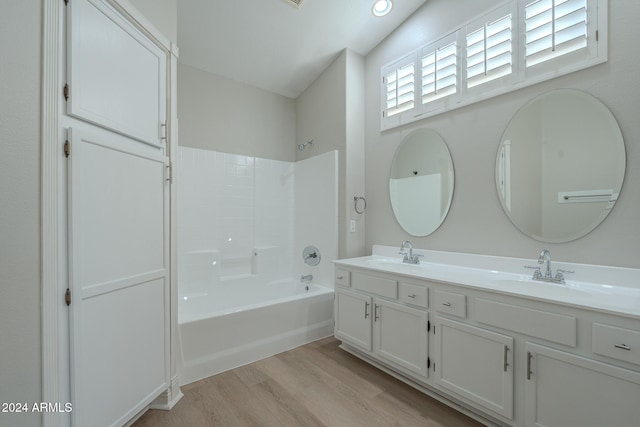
x,y
118,255
400,335
475,363
564,390
116,75
353,318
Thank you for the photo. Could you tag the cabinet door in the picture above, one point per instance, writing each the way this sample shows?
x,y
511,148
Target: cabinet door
x,y
400,335
476,364
116,75
564,390
353,318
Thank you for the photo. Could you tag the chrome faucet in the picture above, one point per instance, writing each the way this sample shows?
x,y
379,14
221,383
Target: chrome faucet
x,y
545,258
409,258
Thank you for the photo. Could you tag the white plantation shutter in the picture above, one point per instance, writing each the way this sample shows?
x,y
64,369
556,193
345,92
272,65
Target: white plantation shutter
x,y
400,89
439,72
554,28
514,45
489,51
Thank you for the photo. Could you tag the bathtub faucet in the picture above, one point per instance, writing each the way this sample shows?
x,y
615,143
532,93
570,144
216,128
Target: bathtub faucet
x,y
306,279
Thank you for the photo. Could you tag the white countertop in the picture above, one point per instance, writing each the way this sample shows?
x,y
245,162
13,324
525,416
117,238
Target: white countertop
x,y
614,290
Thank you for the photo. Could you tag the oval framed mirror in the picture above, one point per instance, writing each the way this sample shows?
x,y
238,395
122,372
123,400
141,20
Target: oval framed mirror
x,y
560,166
421,182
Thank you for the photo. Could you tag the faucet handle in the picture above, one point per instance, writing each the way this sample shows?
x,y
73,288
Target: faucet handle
x,y
559,277
537,274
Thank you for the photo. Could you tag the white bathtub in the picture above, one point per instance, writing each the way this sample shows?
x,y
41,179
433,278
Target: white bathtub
x,y
242,321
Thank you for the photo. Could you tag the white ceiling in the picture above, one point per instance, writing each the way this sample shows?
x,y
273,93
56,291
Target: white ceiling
x,y
275,46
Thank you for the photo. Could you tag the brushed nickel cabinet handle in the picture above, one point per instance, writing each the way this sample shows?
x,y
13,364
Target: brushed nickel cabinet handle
x,y
375,313
622,347
506,361
446,304
366,309
529,356
412,296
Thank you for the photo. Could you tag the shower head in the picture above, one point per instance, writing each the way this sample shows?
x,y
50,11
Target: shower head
x,y
303,146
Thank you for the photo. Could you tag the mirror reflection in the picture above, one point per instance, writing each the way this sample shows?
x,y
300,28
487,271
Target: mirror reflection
x,y
421,182
560,166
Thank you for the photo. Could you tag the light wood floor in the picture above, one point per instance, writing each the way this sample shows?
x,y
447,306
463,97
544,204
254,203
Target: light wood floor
x,y
314,385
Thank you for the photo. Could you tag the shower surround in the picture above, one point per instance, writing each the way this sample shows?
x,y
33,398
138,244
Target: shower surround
x,y
243,223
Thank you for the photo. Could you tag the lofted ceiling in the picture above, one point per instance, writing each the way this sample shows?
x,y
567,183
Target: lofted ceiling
x,y
275,46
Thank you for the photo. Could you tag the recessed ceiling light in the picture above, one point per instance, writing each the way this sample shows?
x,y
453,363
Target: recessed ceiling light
x,y
381,7
295,3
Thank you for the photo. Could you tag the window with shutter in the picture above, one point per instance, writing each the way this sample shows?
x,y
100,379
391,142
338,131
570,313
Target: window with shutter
x,y
554,28
489,51
400,86
516,44
439,72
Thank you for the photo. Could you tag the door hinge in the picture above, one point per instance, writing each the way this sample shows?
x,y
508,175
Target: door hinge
x,y
597,35
428,326
168,173
66,2
67,297
163,132
65,91
67,149
428,362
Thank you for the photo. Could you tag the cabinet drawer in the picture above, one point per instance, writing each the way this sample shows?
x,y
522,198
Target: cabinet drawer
x,y
375,285
343,277
413,294
450,303
619,343
554,327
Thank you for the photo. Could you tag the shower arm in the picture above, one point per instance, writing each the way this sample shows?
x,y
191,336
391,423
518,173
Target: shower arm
x,y
303,146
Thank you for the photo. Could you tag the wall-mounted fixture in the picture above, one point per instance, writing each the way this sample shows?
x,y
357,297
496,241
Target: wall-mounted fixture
x,y
421,182
303,146
560,166
359,207
381,7
311,256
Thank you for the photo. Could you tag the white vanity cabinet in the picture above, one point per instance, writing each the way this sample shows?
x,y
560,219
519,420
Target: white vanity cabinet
x,y
505,358
475,363
388,330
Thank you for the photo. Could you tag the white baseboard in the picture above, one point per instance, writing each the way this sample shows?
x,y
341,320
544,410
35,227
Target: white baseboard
x,y
169,397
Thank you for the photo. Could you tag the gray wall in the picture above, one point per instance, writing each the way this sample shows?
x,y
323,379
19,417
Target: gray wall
x,y
331,113
216,113
354,168
163,14
476,222
20,348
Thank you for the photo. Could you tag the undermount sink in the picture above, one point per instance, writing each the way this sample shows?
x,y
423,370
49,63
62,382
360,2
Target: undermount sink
x,y
383,261
549,289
